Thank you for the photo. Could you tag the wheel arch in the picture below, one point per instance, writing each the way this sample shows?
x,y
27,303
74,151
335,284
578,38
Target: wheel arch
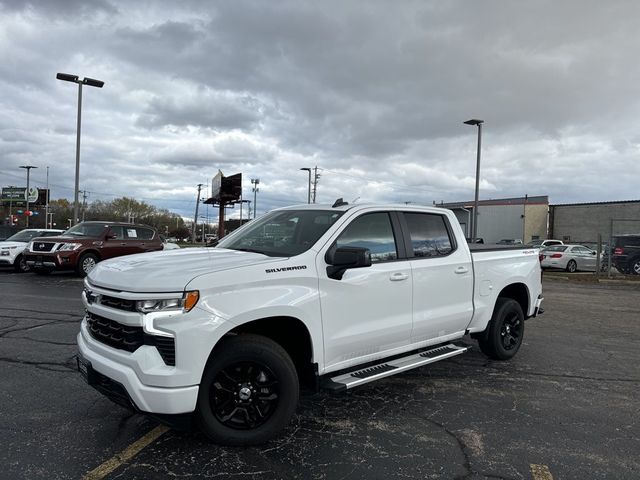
x,y
291,334
518,292
90,250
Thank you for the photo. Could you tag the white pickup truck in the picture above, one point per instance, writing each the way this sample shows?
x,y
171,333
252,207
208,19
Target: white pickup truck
x,y
327,296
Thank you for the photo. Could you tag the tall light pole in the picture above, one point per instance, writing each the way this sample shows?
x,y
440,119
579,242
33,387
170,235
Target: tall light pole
x,y
92,83
309,190
475,121
46,206
28,168
255,182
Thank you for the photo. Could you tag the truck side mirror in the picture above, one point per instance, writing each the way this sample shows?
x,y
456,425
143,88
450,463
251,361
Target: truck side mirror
x,y
343,258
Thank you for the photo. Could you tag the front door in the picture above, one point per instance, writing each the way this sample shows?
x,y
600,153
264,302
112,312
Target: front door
x,y
368,311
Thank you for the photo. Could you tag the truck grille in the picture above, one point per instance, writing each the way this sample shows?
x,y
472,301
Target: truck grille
x,y
118,303
128,338
43,246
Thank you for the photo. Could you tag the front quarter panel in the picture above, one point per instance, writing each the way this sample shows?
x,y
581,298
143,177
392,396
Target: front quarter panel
x,y
287,288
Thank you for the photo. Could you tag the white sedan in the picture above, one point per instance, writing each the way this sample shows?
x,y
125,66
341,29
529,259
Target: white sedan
x,y
569,257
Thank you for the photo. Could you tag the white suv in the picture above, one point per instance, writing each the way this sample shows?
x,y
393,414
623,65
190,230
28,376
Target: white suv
x,y
11,249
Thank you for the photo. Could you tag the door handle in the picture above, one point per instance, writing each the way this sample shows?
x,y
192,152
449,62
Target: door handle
x,y
123,244
461,270
398,277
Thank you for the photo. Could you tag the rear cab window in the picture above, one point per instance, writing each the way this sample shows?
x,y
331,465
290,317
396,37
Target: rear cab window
x,y
429,235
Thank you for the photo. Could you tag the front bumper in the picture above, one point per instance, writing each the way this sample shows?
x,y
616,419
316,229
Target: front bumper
x,y
145,398
58,260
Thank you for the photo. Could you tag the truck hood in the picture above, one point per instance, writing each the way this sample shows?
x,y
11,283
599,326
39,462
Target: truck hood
x,y
169,271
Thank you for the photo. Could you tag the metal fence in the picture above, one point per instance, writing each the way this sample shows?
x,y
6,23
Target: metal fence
x,y
619,252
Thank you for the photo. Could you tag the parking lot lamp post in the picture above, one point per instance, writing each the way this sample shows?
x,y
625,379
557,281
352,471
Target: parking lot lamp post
x,y
309,189
475,121
92,83
255,182
28,168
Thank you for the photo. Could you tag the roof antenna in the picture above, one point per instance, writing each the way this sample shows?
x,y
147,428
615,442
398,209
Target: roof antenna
x,y
339,203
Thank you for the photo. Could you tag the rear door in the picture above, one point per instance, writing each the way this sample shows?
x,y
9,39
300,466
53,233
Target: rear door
x,y
442,277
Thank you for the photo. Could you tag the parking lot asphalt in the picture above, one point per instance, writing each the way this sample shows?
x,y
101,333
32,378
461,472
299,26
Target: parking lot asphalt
x,y
566,407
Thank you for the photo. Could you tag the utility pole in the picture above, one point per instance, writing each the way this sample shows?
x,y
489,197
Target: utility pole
x,y
255,182
316,177
28,168
46,205
195,218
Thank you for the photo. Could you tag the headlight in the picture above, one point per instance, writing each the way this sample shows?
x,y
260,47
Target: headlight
x,y
184,303
69,247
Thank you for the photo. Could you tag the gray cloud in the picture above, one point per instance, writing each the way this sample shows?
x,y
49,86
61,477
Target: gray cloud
x,y
373,94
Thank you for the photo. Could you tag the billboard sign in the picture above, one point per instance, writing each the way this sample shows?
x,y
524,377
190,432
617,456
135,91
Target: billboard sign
x,y
225,189
14,194
216,185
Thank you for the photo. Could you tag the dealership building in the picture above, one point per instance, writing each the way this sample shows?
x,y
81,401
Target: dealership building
x,y
530,218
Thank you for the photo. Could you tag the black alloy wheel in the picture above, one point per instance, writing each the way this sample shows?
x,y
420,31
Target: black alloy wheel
x,y
249,391
511,331
505,331
244,395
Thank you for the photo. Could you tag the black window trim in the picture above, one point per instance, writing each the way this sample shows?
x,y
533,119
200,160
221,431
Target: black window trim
x,y
407,238
396,229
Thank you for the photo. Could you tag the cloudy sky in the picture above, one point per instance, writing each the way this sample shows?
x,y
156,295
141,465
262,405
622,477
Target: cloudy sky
x,y
372,92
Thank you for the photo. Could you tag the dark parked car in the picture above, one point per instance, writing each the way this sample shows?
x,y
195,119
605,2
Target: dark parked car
x,y
626,253
87,243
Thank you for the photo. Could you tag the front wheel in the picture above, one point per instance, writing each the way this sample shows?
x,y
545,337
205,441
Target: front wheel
x,y
249,391
86,263
506,330
572,266
20,264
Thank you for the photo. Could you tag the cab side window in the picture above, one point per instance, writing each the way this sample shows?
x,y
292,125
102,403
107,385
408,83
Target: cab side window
x,y
372,231
118,232
144,233
429,235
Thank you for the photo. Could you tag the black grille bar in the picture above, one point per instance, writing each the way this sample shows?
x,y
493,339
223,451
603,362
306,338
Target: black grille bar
x,y
118,303
128,338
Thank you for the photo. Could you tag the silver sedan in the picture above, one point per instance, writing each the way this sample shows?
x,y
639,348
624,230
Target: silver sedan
x,y
569,257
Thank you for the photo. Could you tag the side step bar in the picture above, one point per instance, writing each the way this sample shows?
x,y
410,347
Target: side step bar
x,y
349,380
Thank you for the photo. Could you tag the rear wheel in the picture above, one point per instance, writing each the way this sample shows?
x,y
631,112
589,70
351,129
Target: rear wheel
x,y
572,266
86,263
20,264
635,266
505,330
249,391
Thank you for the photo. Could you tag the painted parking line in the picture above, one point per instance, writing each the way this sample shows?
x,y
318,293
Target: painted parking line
x,y
540,472
125,455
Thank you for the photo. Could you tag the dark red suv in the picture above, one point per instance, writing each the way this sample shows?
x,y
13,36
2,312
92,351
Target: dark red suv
x,y
87,243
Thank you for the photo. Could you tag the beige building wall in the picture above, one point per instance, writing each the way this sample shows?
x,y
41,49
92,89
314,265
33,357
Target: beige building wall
x,y
536,222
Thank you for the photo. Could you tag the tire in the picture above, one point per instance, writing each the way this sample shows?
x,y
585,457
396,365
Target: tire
x,y
572,266
20,264
505,330
634,266
232,408
86,263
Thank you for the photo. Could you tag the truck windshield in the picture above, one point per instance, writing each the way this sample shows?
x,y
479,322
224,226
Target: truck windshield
x,y
283,233
85,230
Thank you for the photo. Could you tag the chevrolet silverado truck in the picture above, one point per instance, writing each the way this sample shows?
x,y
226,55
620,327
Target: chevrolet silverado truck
x,y
330,297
